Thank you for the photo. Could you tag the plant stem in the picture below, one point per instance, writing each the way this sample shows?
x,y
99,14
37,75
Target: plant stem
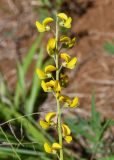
x,y
58,104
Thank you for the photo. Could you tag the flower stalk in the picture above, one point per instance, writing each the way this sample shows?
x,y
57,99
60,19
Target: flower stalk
x,y
57,101
55,85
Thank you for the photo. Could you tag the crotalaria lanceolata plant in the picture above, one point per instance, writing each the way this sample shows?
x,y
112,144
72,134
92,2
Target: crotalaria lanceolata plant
x,y
56,84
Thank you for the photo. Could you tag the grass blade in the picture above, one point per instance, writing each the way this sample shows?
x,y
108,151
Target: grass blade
x,y
13,149
34,132
29,106
21,80
25,65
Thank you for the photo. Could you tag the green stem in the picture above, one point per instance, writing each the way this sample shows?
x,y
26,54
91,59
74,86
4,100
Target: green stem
x,y
58,104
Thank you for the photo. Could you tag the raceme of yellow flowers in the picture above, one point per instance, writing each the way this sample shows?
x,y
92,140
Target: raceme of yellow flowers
x,y
53,84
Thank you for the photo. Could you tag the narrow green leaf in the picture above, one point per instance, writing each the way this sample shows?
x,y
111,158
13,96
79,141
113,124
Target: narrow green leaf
x,y
25,65
13,149
29,57
29,106
22,151
95,118
21,80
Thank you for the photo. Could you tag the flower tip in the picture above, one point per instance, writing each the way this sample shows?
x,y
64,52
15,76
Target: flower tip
x,y
47,148
68,139
74,102
44,124
40,27
50,116
62,16
47,21
50,68
56,146
40,73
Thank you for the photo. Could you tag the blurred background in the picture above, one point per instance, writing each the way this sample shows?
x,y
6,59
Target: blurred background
x,y
22,48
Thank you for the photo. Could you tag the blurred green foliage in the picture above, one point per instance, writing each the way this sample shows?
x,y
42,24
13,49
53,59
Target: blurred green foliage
x,y
109,47
11,105
93,131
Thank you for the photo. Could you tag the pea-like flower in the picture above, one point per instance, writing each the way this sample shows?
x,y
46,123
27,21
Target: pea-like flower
x,y
51,45
68,102
48,120
68,62
66,133
74,102
52,85
67,41
47,73
42,27
66,21
52,149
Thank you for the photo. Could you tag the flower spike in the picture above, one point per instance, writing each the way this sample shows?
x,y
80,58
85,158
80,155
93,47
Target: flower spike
x,y
54,80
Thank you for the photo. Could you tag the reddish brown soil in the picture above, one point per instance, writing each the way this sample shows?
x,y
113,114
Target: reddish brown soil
x,y
95,69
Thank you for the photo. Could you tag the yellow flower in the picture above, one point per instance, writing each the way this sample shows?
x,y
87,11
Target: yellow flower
x,y
74,102
51,46
49,116
57,87
40,73
52,149
65,99
42,27
71,64
66,21
67,41
48,86
68,62
68,139
49,69
52,85
48,72
66,133
65,57
68,102
48,120
44,124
